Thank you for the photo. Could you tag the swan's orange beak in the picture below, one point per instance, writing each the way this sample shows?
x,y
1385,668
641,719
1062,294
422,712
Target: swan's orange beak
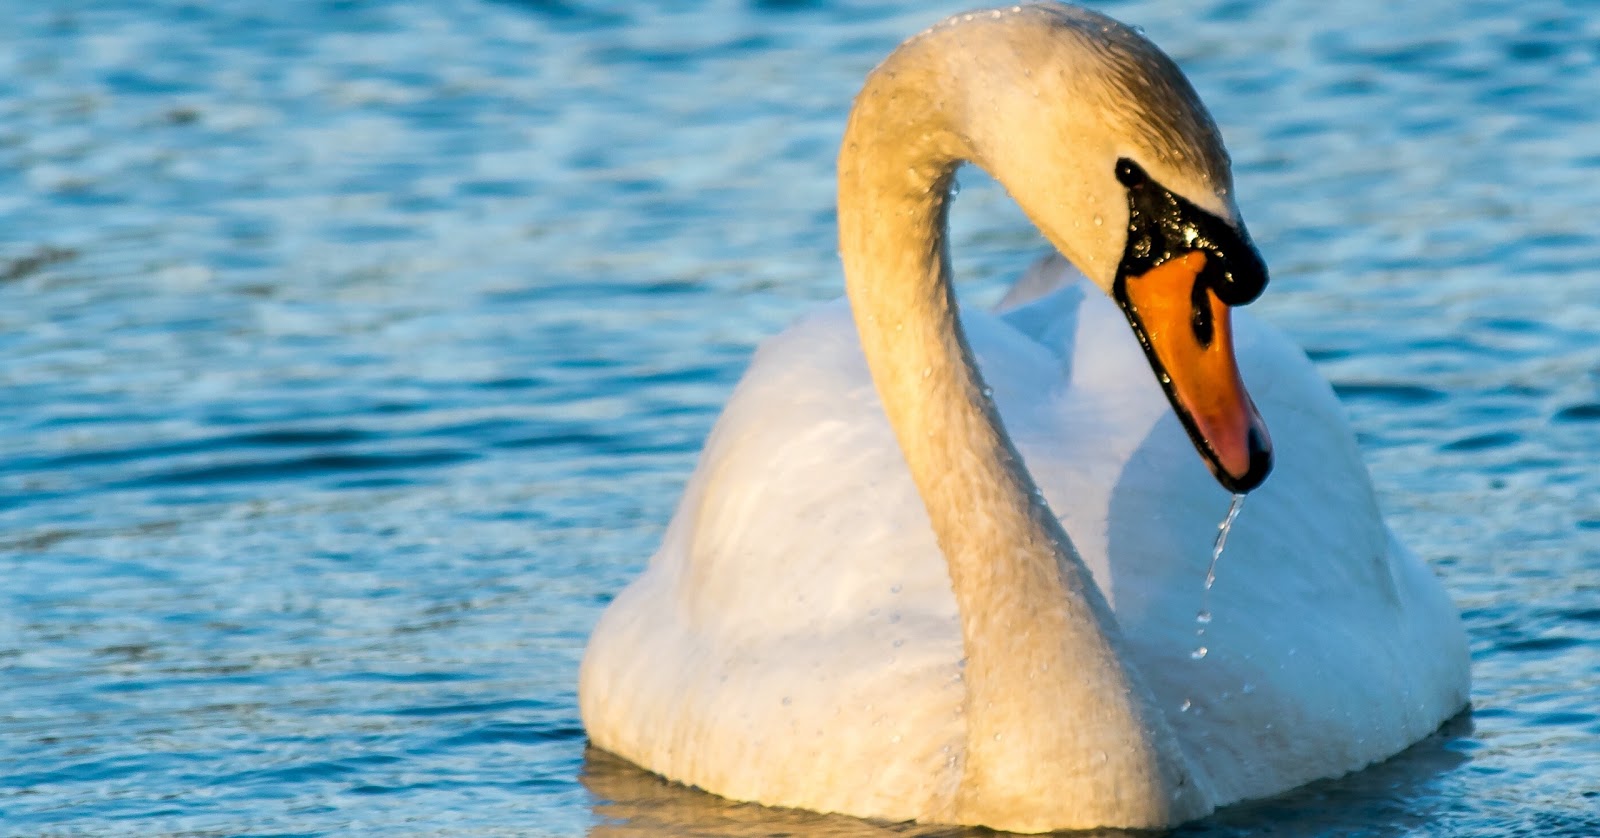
x,y
1188,336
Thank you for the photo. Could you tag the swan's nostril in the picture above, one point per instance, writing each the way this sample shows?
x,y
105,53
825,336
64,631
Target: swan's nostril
x,y
1200,317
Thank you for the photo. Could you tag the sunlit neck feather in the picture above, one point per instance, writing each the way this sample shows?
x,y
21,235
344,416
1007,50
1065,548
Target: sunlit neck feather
x,y
1018,97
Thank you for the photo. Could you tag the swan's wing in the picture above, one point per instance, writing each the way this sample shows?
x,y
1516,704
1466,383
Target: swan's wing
x,y
798,604
1321,621
1049,274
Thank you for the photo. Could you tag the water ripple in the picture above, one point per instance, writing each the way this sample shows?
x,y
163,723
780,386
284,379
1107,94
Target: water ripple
x,y
355,355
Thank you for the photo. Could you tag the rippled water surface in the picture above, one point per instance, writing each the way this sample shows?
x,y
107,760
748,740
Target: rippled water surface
x,y
352,355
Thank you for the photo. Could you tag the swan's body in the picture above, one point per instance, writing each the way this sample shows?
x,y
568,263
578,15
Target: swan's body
x,y
826,628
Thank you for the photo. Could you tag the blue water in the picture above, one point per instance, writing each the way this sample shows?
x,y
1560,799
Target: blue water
x,y
352,355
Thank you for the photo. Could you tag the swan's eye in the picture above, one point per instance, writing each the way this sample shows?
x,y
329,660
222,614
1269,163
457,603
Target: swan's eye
x,y
1129,173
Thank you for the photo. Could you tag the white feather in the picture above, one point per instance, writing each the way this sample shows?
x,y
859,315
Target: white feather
x,y
795,640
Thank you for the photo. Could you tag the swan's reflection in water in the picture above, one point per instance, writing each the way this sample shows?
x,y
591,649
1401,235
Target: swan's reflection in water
x,y
633,803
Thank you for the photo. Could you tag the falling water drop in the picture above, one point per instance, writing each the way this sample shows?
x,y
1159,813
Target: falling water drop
x,y
1202,618
1222,538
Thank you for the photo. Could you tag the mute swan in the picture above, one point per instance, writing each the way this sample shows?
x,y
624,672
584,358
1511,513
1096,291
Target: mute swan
x,y
866,602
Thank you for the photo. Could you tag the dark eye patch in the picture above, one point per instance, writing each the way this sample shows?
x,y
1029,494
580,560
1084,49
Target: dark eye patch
x,y
1163,224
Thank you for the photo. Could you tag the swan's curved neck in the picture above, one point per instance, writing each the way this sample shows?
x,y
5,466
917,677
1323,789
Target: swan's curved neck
x,y
1055,716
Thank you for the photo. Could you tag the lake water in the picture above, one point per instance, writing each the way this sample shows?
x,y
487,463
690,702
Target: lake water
x,y
352,355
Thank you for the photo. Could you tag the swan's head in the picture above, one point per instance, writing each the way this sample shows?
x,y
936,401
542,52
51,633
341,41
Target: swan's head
x,y
1106,146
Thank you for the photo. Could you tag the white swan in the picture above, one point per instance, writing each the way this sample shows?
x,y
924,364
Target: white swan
x,y
842,623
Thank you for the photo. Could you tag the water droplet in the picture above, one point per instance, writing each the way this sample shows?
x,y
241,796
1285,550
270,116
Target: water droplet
x,y
1248,689
1098,220
895,739
955,188
1202,618
988,392
997,737
1184,707
927,371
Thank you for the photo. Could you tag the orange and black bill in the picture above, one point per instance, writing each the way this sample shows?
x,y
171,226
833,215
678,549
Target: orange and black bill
x,y
1187,335
1182,271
